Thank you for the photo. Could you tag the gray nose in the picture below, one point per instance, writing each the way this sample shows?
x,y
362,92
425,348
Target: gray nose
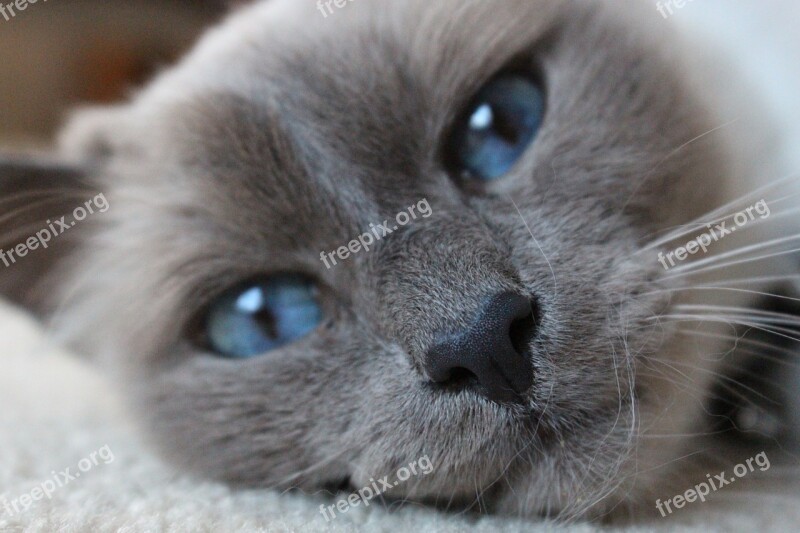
x,y
492,354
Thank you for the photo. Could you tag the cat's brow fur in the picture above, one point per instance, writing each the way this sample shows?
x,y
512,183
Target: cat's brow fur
x,y
285,134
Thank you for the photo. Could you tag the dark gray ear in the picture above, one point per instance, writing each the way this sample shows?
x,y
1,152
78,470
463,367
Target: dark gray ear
x,y
39,203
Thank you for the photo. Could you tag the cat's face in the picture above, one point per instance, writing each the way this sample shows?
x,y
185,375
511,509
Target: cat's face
x,y
285,135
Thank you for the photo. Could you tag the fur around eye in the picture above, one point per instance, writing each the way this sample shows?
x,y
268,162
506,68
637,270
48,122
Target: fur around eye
x,y
498,127
256,318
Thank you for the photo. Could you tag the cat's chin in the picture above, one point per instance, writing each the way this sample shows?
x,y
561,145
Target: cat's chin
x,y
531,468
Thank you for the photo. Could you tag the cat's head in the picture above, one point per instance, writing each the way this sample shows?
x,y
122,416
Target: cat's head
x,y
521,154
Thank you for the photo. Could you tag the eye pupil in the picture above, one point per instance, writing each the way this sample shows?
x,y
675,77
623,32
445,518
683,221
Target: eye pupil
x,y
263,316
503,121
268,323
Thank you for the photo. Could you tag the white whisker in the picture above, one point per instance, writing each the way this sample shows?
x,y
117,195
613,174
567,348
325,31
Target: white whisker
x,y
702,221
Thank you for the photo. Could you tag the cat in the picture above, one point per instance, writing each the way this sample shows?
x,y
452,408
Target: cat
x,y
523,334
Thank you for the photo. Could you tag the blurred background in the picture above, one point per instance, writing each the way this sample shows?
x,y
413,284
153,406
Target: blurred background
x,y
63,53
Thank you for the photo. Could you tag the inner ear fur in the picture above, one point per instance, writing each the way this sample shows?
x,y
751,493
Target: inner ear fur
x,y
35,193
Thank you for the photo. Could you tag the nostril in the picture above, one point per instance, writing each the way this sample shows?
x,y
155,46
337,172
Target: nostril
x,y
522,332
459,378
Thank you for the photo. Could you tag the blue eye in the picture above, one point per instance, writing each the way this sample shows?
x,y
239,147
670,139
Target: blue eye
x,y
257,318
498,128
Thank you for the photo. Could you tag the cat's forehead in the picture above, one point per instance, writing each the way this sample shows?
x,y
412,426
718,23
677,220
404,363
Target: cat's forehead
x,y
370,86
352,103
364,68
373,61
382,57
279,39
